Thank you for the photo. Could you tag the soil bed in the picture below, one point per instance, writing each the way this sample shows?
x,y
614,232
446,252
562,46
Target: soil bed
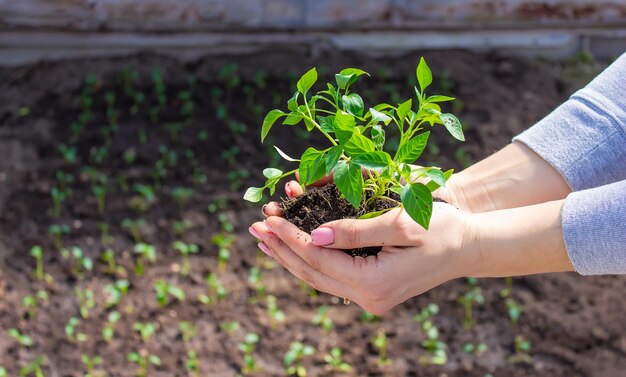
x,y
575,324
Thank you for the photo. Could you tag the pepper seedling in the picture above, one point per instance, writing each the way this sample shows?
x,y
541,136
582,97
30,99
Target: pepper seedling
x,y
257,284
230,327
163,290
91,362
145,330
57,231
108,257
86,301
146,252
334,359
58,197
293,358
522,348
247,347
323,320
181,195
37,253
357,139
473,296
187,331
82,263
191,364
185,249
143,360
276,315
380,342
217,291
72,334
35,367
23,339
108,331
115,292
134,227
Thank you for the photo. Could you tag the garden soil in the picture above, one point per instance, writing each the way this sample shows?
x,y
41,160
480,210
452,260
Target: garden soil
x,y
575,324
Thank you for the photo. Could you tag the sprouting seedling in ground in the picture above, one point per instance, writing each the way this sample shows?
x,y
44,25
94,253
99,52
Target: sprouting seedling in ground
x,y
145,330
31,302
356,135
134,227
146,253
35,367
276,315
163,290
143,360
380,342
217,291
185,249
57,231
476,349
230,327
180,227
334,359
23,339
473,296
294,357
108,257
181,195
225,223
100,193
86,301
187,331
71,331
223,242
115,292
188,105
65,180
435,347
257,284
508,287
105,236
145,198
514,310
69,153
58,197
323,320
91,363
108,330
522,347
369,317
37,253
247,347
82,263
191,364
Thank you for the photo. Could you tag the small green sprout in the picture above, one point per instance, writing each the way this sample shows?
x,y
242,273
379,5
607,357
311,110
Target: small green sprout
x,y
191,364
247,347
230,327
514,310
23,339
335,361
145,252
180,227
276,315
472,296
57,231
223,242
145,330
91,362
82,263
108,257
37,253
356,135
257,284
70,154
31,303
100,194
58,197
476,349
72,334
293,358
35,367
164,290
508,287
187,331
143,360
380,342
369,317
522,351
323,320
134,227
181,195
86,301
108,331
185,249
217,291
435,347
115,292
65,180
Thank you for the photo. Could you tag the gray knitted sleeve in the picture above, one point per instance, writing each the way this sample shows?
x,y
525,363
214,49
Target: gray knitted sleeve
x,y
584,139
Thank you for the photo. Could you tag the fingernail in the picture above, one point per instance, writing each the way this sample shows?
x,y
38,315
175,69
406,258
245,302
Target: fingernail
x,y
288,189
268,226
254,233
265,249
263,209
322,236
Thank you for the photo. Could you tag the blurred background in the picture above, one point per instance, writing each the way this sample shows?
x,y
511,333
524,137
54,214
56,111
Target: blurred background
x,y
130,129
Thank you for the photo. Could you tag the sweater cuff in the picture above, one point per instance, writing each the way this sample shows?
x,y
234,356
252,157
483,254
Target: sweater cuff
x,y
594,229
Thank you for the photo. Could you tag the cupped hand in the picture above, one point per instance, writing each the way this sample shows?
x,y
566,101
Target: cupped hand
x,y
411,262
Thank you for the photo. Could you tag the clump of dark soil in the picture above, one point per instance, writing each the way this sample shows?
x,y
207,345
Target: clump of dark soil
x,y
321,205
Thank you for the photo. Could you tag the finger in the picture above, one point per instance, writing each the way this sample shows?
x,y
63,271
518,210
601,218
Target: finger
x,y
334,263
394,228
298,267
320,182
293,189
272,209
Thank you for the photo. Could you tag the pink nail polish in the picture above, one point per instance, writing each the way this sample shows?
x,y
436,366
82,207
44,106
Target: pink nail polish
x,y
322,236
265,249
254,233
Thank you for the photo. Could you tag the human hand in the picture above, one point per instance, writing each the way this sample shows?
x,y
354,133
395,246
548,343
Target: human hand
x,y
411,262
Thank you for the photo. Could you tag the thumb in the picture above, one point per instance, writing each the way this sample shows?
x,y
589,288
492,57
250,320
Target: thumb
x,y
352,233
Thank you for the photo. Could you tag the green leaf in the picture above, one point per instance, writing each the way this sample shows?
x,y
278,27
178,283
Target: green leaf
x,y
353,71
284,155
344,126
410,151
403,110
269,121
327,123
432,185
437,176
371,215
332,157
292,104
417,202
309,124
348,76
271,173
307,80
424,75
292,119
312,165
358,144
373,160
349,181
353,104
378,136
453,125
439,98
253,194
378,116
